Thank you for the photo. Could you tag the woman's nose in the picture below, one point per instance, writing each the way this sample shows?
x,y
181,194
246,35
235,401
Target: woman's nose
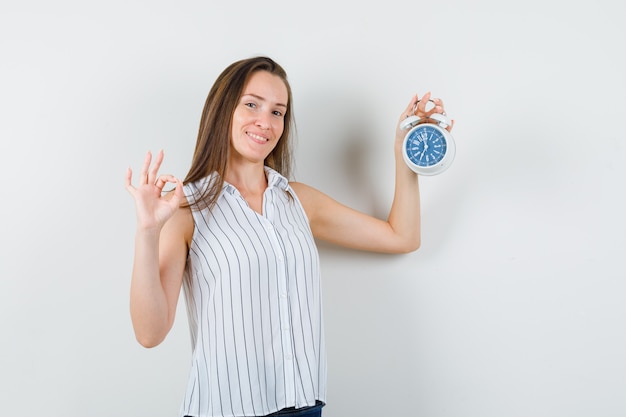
x,y
263,120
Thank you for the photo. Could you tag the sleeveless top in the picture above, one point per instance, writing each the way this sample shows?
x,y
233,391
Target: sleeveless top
x,y
253,296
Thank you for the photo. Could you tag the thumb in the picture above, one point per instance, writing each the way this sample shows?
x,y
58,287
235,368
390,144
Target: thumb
x,y
178,191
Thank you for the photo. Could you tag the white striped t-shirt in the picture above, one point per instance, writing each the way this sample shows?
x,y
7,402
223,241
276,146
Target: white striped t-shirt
x,y
253,296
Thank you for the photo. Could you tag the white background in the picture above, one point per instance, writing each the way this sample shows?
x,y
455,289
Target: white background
x,y
514,305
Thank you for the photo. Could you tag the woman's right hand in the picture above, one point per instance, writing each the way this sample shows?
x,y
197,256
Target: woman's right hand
x,y
153,208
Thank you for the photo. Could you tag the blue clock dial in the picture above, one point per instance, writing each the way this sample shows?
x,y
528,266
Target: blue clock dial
x,y
426,145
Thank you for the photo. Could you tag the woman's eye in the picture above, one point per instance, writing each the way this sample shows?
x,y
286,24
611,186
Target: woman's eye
x,y
278,113
251,105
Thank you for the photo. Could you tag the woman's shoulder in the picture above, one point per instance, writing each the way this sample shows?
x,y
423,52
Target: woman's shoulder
x,y
310,197
301,189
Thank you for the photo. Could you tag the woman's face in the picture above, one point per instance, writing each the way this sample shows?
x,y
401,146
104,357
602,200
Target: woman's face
x,y
258,120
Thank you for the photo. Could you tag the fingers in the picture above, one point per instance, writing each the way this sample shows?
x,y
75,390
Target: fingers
x,y
153,171
164,179
143,173
149,171
438,106
178,192
410,108
128,182
179,189
424,108
449,128
421,106
149,174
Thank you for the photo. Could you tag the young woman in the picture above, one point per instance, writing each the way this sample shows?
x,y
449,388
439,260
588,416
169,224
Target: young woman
x,y
239,238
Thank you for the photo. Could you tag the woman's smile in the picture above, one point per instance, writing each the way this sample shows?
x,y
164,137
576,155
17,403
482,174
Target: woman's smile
x,y
257,138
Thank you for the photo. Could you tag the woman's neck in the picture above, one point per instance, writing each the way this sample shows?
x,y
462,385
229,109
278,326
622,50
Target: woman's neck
x,y
249,179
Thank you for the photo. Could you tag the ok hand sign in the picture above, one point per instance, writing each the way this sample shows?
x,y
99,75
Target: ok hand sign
x,y
153,207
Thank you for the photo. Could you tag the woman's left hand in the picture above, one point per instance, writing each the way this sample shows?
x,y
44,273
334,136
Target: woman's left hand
x,y
417,107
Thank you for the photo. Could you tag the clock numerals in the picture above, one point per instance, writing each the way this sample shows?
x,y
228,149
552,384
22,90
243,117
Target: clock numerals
x,y
426,147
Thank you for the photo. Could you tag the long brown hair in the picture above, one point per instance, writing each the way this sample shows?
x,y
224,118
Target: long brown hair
x,y
213,143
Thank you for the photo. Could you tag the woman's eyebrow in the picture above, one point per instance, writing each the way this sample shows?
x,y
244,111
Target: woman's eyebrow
x,y
263,99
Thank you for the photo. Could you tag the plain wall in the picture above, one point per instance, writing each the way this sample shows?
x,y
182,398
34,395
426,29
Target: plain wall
x,y
513,306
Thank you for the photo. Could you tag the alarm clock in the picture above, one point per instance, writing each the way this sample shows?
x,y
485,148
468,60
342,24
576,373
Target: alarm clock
x,y
428,148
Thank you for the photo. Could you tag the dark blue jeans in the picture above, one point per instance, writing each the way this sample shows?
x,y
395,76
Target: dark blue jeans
x,y
314,411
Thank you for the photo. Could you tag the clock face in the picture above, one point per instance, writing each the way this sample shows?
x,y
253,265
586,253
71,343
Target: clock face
x,y
426,145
